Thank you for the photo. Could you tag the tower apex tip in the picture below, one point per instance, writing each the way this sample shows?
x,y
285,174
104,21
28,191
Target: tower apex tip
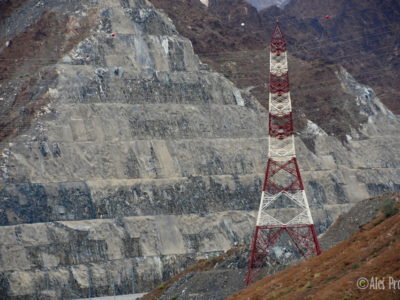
x,y
278,43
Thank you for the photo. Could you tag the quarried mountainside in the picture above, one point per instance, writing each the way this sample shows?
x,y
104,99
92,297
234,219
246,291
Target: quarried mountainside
x,y
130,124
110,121
78,259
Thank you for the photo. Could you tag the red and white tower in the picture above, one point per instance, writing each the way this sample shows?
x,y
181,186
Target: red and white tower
x,y
284,208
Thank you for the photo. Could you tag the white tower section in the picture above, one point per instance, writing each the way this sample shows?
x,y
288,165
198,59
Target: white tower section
x,y
283,200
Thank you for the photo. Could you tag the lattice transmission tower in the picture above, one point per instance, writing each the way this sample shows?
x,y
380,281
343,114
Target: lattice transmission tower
x,y
284,214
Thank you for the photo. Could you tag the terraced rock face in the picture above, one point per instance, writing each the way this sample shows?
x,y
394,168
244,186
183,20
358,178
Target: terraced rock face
x,y
116,118
67,260
129,126
133,124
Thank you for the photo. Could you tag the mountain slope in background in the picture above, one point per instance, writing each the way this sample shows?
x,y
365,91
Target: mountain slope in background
x,y
360,35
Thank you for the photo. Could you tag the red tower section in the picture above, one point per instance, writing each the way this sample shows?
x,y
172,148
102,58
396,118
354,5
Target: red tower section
x,y
284,221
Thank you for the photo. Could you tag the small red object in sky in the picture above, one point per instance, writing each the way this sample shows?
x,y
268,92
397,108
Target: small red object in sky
x,y
327,17
113,34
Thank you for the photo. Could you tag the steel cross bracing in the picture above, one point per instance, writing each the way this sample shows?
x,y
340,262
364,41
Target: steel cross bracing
x,y
283,207
303,217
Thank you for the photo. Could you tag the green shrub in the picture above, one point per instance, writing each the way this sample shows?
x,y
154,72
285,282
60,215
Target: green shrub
x,y
389,208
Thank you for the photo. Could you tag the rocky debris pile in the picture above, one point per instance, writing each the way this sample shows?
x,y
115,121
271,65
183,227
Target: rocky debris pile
x,y
214,278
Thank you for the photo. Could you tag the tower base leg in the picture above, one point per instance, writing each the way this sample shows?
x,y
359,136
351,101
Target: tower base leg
x,y
299,240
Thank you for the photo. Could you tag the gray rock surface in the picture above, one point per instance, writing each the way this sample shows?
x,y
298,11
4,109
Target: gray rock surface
x,y
261,4
90,258
360,214
136,128
210,285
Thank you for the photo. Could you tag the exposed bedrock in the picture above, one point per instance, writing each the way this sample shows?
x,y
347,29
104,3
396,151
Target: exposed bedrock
x,y
133,127
63,260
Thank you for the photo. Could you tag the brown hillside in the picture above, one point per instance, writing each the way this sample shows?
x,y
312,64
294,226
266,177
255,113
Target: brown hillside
x,y
361,35
316,48
372,252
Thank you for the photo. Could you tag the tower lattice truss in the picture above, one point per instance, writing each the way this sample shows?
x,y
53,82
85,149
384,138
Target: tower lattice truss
x,y
284,213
